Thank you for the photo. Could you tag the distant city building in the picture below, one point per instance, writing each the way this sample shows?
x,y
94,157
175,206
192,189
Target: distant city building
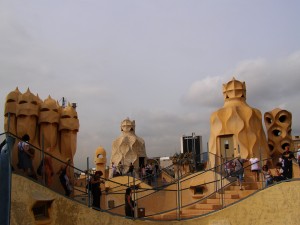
x,y
165,162
192,144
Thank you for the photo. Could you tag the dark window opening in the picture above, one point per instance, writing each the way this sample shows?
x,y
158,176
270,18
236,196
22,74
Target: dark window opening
x,y
269,120
198,190
277,132
41,210
271,147
282,118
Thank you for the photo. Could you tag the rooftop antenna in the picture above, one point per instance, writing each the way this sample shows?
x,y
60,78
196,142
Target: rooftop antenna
x,y
63,102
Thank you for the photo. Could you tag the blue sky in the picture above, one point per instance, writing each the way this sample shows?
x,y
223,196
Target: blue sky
x,y
160,63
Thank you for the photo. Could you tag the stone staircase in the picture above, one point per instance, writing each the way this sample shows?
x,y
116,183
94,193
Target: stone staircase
x,y
217,201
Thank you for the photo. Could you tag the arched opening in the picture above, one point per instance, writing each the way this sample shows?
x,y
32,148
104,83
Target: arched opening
x,y
276,132
282,118
269,120
271,147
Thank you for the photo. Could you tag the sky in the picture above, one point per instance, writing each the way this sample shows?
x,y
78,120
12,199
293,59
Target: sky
x,y
160,63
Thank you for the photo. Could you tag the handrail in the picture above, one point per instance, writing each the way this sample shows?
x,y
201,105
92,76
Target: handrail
x,y
221,183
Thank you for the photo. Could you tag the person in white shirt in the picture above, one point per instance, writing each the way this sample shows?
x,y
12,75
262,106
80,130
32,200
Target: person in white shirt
x,y
114,169
255,168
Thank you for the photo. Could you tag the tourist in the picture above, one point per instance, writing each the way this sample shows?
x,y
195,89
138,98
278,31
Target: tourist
x,y
131,169
156,170
255,168
298,156
239,169
279,173
143,172
120,168
96,189
267,175
229,167
129,204
64,177
287,157
25,155
114,169
150,169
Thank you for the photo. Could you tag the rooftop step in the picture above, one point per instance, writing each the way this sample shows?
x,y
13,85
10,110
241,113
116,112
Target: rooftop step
x,y
207,206
227,196
230,196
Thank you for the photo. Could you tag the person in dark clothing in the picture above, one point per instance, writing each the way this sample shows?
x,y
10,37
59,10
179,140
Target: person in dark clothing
x,y
131,169
278,173
96,189
129,204
287,157
25,156
64,178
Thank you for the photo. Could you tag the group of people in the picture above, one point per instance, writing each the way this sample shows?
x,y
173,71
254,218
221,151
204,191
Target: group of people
x,y
148,172
235,168
283,170
119,170
45,168
270,178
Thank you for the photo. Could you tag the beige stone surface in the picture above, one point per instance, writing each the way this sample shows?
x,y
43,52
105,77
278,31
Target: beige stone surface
x,y
119,185
128,147
278,123
239,124
276,205
100,159
48,124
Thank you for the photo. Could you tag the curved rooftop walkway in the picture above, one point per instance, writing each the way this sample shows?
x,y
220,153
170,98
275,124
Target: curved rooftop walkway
x,y
276,205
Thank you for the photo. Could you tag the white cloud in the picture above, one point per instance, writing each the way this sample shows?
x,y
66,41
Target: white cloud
x,y
271,83
205,93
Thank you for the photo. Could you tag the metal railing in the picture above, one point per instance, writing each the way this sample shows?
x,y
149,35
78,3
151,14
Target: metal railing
x,y
142,194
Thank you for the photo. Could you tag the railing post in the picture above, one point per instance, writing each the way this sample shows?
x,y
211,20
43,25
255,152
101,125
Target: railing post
x,y
216,177
88,180
134,197
128,181
43,161
178,193
5,177
222,191
261,165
